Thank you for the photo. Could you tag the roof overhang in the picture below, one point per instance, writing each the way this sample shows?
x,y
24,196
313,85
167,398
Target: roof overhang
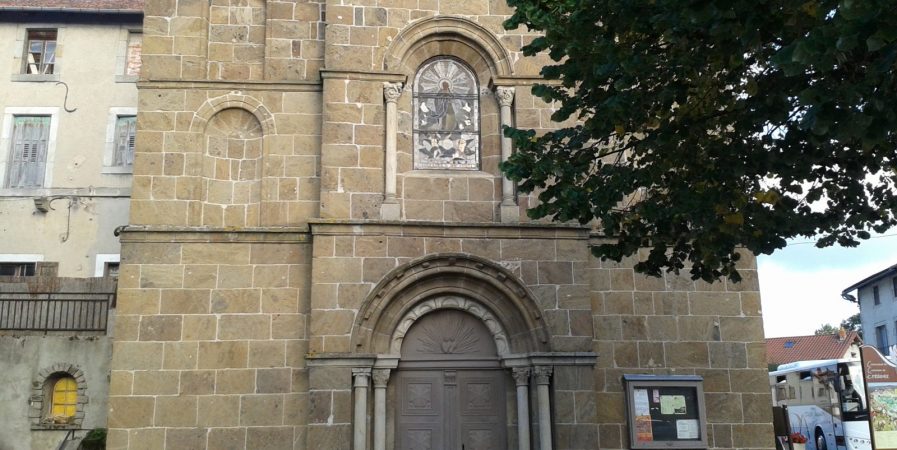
x,y
845,294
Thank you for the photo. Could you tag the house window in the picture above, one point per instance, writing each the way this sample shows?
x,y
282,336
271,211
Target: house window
x,y
123,146
875,297
894,283
111,270
17,269
446,116
64,401
881,339
132,54
28,152
40,52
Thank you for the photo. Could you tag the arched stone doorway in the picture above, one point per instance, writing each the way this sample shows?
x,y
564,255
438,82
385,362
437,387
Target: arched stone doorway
x,y
436,330
450,387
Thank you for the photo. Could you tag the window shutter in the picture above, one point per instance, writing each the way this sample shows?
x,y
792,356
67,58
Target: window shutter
x,y
125,134
28,162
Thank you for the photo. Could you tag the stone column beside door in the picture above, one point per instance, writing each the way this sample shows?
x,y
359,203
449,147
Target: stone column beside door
x,y
521,377
381,379
361,383
543,377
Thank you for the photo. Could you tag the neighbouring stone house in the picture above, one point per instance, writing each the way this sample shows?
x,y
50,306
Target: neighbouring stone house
x,y
323,254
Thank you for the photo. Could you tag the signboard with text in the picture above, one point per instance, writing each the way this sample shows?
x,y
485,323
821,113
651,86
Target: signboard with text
x,y
881,391
666,411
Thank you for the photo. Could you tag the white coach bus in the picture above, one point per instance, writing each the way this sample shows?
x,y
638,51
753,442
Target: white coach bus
x,y
823,400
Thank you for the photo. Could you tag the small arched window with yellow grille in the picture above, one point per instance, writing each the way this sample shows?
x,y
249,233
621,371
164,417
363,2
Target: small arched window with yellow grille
x,y
65,398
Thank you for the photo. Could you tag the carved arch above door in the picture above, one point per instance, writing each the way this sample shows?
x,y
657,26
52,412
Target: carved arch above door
x,y
491,292
491,323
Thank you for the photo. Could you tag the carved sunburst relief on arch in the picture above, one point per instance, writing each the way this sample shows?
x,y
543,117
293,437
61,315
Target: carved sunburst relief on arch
x,y
454,337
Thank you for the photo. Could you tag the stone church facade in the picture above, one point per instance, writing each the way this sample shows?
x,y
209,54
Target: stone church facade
x,y
323,254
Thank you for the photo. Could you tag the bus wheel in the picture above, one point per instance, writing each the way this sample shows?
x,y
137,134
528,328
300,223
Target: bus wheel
x,y
820,441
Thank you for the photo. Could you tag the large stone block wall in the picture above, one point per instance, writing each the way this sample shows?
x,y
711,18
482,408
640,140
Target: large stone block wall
x,y
175,161
673,325
210,341
255,248
232,40
350,261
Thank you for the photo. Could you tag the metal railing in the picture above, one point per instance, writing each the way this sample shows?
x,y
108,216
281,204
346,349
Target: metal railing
x,y
54,311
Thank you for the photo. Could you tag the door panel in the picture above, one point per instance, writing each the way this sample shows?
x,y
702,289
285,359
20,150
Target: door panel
x,y
420,410
451,410
481,416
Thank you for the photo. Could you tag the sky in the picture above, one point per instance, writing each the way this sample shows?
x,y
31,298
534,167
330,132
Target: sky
x,y
800,285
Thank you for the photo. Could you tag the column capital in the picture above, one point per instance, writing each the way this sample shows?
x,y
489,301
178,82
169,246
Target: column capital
x,y
362,375
542,374
381,377
505,95
392,91
521,375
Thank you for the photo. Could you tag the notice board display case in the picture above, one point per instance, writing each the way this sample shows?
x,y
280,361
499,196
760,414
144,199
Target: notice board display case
x,y
666,411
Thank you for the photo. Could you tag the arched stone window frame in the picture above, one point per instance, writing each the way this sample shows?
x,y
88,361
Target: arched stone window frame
x,y
41,400
446,115
199,125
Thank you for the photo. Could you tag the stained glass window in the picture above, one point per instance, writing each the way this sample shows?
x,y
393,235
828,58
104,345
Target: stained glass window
x,y
446,116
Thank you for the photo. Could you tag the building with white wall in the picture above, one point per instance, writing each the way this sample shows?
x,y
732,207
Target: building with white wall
x,y
68,103
68,100
876,296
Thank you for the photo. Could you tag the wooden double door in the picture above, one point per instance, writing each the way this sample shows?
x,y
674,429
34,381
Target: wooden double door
x,y
451,409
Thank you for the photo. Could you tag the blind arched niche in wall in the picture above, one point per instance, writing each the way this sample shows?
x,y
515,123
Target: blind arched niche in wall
x,y
446,116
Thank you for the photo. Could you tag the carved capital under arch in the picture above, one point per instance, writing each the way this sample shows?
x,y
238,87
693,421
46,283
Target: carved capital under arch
x,y
521,375
457,281
505,95
448,28
451,302
542,374
392,91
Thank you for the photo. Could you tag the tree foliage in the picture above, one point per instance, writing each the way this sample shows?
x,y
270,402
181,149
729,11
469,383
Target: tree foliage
x,y
826,329
853,323
708,126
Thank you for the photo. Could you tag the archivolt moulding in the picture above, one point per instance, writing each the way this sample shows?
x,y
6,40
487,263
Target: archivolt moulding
x,y
234,99
448,28
450,302
415,288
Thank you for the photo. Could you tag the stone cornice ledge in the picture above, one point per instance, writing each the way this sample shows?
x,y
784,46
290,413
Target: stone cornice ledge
x,y
285,86
510,361
340,359
66,192
521,81
363,75
324,227
161,233
551,359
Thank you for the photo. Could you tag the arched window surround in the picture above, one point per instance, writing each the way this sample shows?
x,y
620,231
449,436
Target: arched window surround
x,y
41,400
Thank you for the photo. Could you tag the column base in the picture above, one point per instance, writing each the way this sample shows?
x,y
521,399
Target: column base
x,y
390,211
509,213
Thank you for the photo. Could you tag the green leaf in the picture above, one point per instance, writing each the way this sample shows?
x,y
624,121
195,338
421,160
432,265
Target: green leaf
x,y
702,129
